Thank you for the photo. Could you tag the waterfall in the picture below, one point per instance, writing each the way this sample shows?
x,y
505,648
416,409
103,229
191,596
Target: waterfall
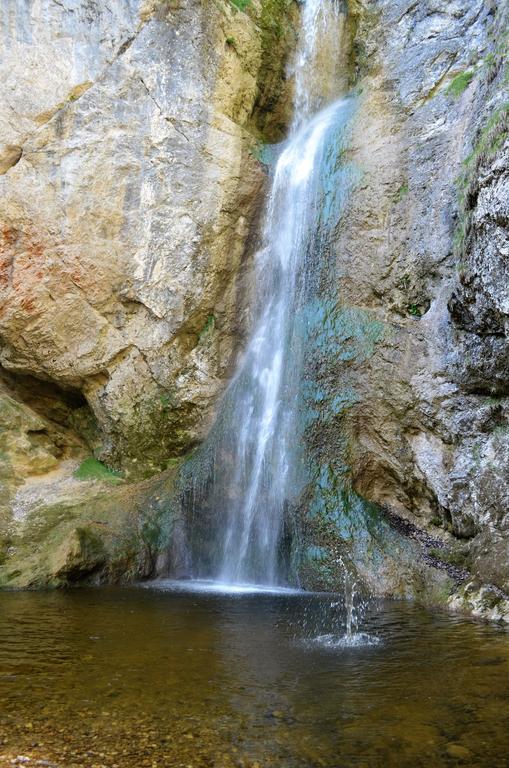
x,y
257,440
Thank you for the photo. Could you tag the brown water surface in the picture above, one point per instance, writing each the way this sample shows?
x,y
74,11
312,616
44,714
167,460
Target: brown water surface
x,y
141,677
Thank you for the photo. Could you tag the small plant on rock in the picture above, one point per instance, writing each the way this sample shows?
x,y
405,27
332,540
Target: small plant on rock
x,y
460,84
240,5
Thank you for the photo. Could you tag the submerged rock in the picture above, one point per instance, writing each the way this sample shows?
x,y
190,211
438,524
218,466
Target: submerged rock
x,y
458,752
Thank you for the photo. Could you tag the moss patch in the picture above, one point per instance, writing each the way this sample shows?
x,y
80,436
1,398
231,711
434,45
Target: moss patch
x,y
240,5
460,84
273,15
402,192
92,469
277,22
207,329
415,310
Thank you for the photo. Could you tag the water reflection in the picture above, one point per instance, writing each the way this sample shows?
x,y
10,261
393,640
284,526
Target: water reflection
x,y
143,677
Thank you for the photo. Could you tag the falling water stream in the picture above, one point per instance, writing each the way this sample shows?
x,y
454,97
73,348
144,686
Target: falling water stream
x,y
258,462
267,384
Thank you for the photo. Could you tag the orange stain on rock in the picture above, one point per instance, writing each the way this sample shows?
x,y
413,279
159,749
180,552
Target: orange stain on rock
x,y
9,235
5,271
22,268
28,303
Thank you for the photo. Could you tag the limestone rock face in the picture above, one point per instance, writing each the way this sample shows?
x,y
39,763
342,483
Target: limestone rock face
x,y
423,247
130,192
128,136
72,530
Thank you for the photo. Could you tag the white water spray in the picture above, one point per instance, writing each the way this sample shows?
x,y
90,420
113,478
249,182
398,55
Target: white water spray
x,y
265,388
257,460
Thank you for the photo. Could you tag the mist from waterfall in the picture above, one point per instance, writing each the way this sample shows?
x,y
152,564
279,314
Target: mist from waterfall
x,y
257,459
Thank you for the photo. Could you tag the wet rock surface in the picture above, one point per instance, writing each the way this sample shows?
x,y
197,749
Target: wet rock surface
x,y
422,247
131,195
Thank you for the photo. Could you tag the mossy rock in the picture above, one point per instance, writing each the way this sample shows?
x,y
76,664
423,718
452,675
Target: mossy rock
x,y
92,532
460,83
92,469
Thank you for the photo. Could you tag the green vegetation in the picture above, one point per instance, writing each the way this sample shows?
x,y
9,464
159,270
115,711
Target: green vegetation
x,y
207,329
92,469
240,5
231,42
453,557
495,62
272,16
414,310
490,59
491,138
402,192
460,84
168,400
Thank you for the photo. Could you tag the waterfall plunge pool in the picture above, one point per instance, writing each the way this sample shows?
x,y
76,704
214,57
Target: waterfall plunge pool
x,y
133,677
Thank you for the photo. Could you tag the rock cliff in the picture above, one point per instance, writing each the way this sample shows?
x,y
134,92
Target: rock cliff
x,y
130,186
422,250
131,193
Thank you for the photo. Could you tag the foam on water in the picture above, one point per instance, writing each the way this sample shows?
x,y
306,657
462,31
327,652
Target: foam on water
x,y
216,587
335,642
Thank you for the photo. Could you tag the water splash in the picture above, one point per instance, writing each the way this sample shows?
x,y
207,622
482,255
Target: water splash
x,y
336,642
354,608
332,621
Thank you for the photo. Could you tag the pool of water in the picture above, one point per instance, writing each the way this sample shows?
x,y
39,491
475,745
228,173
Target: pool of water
x,y
158,677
